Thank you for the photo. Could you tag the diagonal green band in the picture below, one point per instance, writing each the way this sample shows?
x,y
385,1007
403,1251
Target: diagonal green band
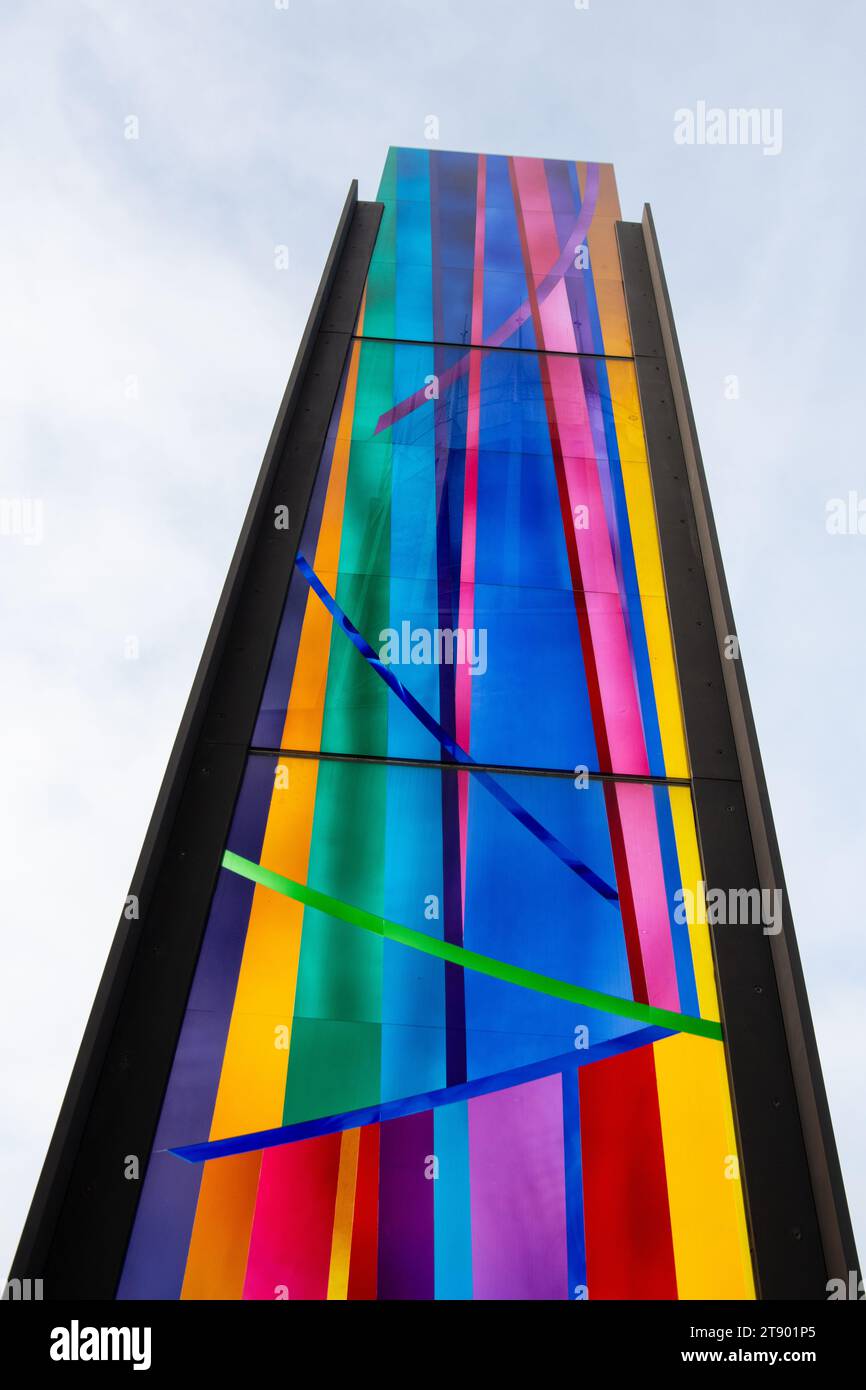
x,y
470,960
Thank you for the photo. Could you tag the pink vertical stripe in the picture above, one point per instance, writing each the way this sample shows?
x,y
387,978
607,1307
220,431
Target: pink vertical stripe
x,y
466,609
555,314
640,834
535,205
544,252
597,561
610,639
620,705
290,1245
517,1183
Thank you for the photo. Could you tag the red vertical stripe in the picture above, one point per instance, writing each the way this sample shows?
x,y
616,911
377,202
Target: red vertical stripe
x,y
627,908
629,916
365,1231
293,1226
629,1248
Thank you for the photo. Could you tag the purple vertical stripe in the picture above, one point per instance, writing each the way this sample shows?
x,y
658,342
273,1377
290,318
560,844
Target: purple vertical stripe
x,y
517,1182
406,1208
157,1251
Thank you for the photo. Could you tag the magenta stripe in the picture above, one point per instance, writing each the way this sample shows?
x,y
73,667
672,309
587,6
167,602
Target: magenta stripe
x,y
521,314
517,1182
643,851
466,601
618,689
606,611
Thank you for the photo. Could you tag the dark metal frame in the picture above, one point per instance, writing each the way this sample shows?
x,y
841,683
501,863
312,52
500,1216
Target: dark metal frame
x,y
799,1226
79,1222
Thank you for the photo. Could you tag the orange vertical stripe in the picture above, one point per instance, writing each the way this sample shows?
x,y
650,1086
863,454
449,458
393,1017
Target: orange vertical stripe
x,y
306,708
217,1258
344,1214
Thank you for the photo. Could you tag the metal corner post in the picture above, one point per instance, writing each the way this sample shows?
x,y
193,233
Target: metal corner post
x,y
799,1226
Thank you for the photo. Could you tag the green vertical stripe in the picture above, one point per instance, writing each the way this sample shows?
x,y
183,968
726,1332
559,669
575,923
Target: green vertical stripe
x,y
335,1056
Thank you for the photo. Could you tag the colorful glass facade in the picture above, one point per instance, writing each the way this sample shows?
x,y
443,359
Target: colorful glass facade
x,y
449,1036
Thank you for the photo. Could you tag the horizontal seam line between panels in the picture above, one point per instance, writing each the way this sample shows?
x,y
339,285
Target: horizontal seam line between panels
x,y
496,585
489,347
386,1023
321,756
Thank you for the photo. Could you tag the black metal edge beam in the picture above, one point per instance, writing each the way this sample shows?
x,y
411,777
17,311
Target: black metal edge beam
x,y
76,1231
834,1218
787,1248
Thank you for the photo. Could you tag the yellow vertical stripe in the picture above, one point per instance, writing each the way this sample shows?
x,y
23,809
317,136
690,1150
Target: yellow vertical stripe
x,y
306,707
331,529
691,878
705,1195
647,555
708,1218
344,1214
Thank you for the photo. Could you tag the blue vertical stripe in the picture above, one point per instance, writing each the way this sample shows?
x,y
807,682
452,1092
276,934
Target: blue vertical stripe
x,y
574,1229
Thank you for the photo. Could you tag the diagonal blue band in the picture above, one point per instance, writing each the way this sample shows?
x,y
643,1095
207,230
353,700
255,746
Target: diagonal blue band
x,y
414,1105
451,747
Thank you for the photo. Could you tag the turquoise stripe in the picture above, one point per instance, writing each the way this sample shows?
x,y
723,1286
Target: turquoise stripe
x,y
413,297
413,985
451,1208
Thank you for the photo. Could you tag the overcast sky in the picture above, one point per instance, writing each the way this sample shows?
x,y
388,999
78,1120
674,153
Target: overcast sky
x,y
146,336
